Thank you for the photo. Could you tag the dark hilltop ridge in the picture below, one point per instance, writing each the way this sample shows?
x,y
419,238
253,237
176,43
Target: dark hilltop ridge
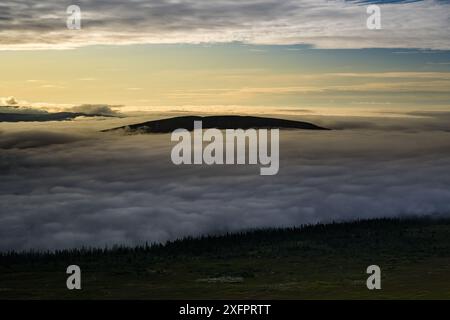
x,y
218,122
41,117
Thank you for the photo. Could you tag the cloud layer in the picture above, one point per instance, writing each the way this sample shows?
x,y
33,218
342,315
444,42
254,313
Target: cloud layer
x,y
109,189
25,24
16,112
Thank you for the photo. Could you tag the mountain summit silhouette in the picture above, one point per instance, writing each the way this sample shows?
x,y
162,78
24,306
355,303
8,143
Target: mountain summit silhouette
x,y
218,122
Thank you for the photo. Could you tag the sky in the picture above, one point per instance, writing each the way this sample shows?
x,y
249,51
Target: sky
x,y
301,54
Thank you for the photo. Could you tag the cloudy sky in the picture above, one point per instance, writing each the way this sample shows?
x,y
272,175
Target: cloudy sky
x,y
267,53
66,184
27,24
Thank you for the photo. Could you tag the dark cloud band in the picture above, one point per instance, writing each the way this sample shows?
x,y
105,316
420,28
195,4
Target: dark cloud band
x,y
26,24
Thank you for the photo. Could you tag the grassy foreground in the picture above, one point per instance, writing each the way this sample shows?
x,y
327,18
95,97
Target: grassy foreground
x,y
311,262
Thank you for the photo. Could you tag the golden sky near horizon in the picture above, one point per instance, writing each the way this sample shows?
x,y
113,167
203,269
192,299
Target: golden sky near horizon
x,y
305,54
241,75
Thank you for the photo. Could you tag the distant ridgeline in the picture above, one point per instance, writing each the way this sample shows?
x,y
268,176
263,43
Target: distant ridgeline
x,y
56,116
28,114
217,122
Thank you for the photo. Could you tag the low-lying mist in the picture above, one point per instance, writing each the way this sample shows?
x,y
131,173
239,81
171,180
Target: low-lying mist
x,y
73,187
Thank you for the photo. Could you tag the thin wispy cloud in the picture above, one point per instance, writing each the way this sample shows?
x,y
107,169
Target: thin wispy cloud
x,y
25,24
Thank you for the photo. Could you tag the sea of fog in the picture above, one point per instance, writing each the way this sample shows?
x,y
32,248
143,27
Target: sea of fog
x,y
65,184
